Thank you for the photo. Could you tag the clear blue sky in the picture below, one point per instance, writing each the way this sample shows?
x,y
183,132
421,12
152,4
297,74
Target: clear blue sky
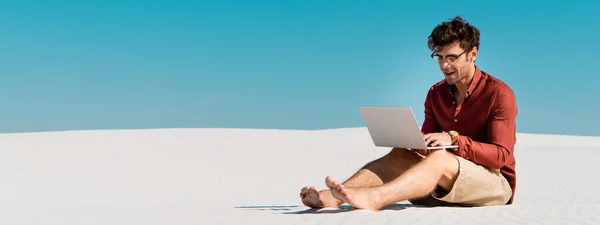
x,y
271,64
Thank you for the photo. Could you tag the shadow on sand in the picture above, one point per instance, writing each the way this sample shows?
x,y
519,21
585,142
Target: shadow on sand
x,y
341,209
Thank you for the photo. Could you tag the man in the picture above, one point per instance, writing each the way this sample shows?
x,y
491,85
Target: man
x,y
469,108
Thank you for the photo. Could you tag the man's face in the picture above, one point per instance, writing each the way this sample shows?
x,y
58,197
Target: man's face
x,y
454,62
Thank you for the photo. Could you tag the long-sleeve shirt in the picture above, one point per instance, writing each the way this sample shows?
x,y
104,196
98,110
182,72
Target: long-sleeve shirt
x,y
485,121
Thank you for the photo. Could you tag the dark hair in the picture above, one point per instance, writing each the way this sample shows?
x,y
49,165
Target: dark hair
x,y
456,29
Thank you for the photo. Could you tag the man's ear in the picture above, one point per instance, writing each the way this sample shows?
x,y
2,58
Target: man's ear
x,y
473,54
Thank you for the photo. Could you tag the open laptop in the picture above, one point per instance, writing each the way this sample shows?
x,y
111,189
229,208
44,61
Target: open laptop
x,y
394,127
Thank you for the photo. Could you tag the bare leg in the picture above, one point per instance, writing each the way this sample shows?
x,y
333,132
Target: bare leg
x,y
439,168
375,173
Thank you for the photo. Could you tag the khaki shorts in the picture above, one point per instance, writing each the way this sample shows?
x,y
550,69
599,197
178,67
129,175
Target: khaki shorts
x,y
475,186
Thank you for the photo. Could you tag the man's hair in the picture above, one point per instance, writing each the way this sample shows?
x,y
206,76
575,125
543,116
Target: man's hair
x,y
453,30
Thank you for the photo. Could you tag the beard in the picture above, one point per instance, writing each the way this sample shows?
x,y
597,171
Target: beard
x,y
452,76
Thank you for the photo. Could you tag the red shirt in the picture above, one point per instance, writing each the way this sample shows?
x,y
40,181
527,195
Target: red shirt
x,y
485,121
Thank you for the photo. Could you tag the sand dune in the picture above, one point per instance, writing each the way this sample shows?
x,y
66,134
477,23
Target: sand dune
x,y
251,176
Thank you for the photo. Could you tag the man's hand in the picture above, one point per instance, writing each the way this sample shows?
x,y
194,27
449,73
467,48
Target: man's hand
x,y
437,139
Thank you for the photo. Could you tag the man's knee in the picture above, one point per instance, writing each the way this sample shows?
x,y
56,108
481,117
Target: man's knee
x,y
447,165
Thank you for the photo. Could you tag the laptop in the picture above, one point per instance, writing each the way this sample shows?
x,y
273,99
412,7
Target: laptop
x,y
395,127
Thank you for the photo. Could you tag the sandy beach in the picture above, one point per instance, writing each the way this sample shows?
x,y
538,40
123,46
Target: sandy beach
x,y
253,176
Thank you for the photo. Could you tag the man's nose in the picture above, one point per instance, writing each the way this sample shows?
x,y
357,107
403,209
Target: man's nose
x,y
444,64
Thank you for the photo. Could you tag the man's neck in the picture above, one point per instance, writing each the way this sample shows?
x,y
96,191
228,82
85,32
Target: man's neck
x,y
463,85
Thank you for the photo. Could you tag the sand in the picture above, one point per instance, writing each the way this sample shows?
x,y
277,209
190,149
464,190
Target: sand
x,y
252,176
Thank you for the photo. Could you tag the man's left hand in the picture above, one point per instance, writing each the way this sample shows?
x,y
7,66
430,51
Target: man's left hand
x,y
437,139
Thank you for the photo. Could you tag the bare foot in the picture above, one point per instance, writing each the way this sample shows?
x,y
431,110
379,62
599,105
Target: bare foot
x,y
315,199
361,198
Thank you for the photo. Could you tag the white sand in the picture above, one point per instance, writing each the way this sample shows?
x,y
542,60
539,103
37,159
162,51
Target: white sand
x,y
242,176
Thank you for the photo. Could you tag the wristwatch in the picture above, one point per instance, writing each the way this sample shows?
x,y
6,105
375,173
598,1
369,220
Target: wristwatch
x,y
453,136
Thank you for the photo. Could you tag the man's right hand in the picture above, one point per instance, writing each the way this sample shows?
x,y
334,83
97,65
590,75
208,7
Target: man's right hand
x,y
437,139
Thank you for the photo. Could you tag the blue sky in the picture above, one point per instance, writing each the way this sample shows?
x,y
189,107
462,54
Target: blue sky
x,y
275,64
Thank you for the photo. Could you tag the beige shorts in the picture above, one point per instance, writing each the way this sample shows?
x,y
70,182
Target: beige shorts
x,y
475,186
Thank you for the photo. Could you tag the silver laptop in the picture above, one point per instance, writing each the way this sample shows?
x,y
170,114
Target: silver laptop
x,y
394,127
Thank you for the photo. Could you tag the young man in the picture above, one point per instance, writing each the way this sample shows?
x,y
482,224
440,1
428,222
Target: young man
x,y
469,108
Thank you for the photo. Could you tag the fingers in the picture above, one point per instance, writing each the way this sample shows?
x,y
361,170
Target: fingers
x,y
430,140
427,138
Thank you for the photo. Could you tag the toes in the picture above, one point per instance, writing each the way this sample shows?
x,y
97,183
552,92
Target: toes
x,y
342,190
304,190
335,183
328,182
339,187
313,191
